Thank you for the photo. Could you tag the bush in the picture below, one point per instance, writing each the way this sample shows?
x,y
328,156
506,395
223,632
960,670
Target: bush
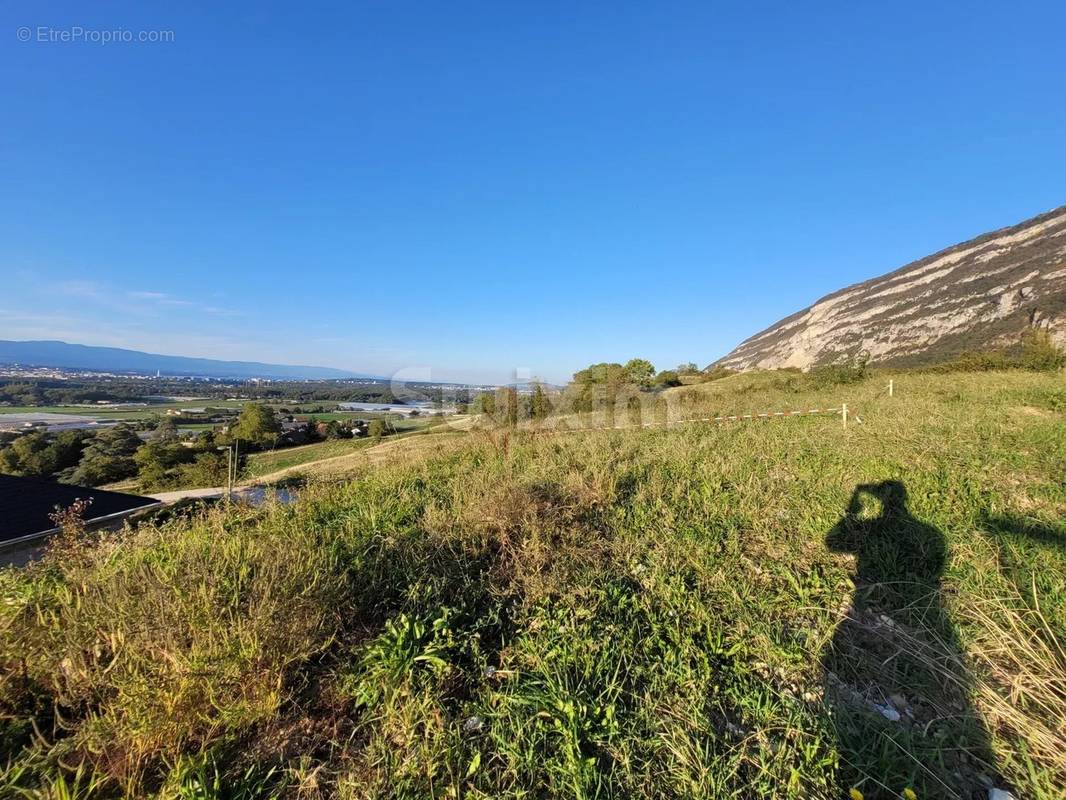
x,y
841,373
1040,353
667,378
1037,352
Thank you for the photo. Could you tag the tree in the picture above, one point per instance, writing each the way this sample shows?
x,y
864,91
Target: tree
x,y
1039,351
507,404
257,424
108,457
42,455
667,378
9,461
485,403
539,405
28,454
605,373
166,430
376,429
156,459
639,371
207,469
334,430
687,368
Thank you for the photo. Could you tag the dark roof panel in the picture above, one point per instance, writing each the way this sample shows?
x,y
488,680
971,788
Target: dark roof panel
x,y
25,504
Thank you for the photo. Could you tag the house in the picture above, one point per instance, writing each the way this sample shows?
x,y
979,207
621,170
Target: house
x,y
25,505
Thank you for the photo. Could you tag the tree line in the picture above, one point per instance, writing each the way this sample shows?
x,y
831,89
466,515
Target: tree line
x,y
162,459
631,388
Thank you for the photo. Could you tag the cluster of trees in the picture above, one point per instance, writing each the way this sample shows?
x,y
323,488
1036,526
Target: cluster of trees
x,y
77,456
45,393
640,372
93,458
163,464
631,388
166,461
507,406
96,457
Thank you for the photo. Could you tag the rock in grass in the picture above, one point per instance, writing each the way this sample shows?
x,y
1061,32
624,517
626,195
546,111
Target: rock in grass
x,y
473,725
887,711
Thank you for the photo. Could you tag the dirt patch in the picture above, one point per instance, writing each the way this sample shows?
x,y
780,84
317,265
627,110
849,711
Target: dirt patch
x,y
1033,411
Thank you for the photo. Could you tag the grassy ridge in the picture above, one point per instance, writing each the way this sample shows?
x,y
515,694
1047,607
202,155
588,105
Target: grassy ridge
x,y
696,612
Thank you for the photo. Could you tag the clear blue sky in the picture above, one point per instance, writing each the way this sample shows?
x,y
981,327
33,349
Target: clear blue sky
x,y
480,187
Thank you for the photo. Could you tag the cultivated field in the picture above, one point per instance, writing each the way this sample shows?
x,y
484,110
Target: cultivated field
x,y
783,608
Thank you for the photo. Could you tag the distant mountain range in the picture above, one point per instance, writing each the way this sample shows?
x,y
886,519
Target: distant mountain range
x,y
116,359
981,294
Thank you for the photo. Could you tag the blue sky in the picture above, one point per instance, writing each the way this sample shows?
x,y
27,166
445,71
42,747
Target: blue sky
x,y
479,187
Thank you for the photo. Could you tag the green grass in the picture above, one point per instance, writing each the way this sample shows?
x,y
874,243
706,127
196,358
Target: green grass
x,y
127,413
273,460
264,463
702,611
141,412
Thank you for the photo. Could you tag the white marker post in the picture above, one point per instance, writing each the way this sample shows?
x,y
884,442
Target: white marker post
x,y
844,413
890,387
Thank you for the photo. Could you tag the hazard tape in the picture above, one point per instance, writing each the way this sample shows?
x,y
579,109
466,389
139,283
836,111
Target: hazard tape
x,y
764,415
717,420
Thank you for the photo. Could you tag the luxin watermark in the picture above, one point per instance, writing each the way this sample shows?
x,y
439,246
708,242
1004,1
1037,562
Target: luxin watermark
x,y
76,34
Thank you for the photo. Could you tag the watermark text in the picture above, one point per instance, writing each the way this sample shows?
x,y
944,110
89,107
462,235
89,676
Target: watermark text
x,y
76,34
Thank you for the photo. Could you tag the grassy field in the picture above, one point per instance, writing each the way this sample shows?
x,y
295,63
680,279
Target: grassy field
x,y
773,609
271,461
259,464
139,412
119,411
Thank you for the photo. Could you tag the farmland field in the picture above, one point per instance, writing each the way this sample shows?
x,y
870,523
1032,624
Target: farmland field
x,y
783,608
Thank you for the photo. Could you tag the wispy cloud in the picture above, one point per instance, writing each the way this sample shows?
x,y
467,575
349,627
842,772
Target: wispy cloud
x,y
148,295
83,289
167,299
90,291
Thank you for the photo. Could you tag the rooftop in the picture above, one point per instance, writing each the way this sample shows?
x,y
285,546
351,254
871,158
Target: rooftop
x,y
25,504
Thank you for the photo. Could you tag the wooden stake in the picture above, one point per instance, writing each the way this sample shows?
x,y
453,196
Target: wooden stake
x,y
844,413
890,388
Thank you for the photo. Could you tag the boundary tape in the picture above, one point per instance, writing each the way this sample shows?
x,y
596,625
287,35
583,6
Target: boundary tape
x,y
767,415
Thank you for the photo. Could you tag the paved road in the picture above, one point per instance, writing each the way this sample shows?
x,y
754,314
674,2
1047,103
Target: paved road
x,y
181,494
249,494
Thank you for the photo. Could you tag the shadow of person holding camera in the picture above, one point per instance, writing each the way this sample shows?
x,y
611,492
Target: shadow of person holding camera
x,y
896,682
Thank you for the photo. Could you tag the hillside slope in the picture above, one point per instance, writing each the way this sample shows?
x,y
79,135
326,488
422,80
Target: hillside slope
x,y
979,294
781,609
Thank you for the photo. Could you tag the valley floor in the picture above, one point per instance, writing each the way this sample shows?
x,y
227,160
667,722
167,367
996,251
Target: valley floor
x,y
784,608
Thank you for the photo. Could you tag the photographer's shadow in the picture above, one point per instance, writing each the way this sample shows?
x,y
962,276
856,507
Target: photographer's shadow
x,y
896,682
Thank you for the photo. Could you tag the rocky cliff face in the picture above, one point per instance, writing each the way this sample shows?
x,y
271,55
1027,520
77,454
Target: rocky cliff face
x,y
980,294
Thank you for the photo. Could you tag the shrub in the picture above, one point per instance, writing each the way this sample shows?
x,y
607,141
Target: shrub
x,y
1040,353
841,373
1037,352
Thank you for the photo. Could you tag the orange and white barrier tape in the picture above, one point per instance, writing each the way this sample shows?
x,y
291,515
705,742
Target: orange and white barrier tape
x,y
764,415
